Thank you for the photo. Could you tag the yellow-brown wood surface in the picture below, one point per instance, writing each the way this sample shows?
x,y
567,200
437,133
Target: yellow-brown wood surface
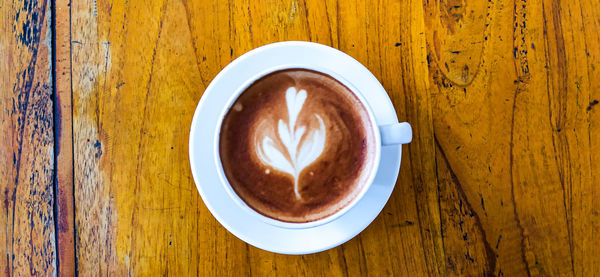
x,y
27,242
63,133
502,177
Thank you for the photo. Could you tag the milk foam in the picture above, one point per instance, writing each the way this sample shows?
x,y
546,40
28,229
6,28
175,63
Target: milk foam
x,y
301,147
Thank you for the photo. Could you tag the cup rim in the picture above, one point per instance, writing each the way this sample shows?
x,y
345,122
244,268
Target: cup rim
x,y
375,128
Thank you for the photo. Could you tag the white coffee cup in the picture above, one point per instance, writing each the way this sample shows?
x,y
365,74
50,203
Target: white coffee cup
x,y
386,133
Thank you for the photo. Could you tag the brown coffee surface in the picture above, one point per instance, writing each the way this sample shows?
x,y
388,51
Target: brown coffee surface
x,y
297,145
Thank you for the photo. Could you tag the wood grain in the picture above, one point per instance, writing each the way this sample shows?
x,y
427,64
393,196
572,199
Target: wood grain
x,y
63,131
500,179
27,140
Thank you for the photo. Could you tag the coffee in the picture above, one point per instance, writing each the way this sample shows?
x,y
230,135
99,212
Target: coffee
x,y
297,145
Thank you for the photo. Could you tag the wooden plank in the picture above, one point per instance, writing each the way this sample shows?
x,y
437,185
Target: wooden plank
x,y
499,180
517,128
27,149
132,109
64,140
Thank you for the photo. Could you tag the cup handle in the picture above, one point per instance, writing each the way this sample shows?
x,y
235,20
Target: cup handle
x,y
395,133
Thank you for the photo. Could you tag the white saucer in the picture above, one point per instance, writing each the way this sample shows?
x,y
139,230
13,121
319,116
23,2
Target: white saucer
x,y
203,157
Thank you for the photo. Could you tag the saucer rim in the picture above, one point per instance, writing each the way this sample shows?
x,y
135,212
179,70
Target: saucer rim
x,y
260,240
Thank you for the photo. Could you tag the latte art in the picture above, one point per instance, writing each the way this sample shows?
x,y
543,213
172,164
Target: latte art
x,y
297,145
298,153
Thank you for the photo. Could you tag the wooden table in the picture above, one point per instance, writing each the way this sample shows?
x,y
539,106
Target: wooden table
x,y
502,177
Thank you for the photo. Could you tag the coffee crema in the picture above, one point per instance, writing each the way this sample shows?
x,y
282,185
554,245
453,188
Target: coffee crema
x,y
297,145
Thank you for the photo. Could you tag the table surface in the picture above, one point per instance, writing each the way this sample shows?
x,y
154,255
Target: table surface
x,y
502,176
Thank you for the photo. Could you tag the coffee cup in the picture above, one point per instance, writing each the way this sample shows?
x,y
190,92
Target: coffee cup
x,y
298,144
